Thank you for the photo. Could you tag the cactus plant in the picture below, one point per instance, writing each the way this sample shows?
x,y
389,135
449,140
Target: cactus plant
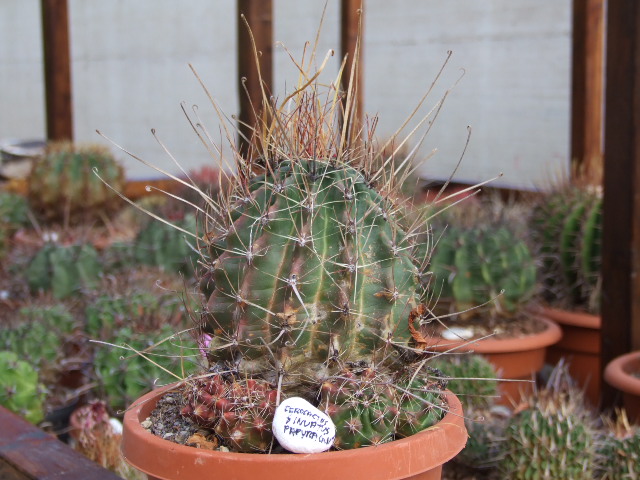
x,y
567,227
166,247
62,183
472,377
485,266
37,334
14,210
309,266
64,270
124,374
552,435
420,405
619,450
363,406
141,311
20,389
240,410
311,273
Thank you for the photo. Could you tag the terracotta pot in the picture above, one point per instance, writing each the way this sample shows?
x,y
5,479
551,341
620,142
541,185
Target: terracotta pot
x,y
418,457
514,358
580,346
619,373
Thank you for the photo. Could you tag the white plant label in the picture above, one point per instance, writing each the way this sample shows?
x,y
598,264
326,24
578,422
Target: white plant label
x,y
301,428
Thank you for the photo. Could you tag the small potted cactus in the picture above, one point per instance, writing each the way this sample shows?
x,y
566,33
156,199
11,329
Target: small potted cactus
x,y
552,434
484,278
567,233
62,184
311,282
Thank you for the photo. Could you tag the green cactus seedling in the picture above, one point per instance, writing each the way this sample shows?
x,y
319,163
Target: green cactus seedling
x,y
20,390
64,270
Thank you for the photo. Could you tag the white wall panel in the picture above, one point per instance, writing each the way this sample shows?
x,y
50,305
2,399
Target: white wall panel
x,y
130,74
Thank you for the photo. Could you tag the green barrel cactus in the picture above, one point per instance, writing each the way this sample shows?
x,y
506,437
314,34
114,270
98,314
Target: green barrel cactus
x,y
484,266
567,229
163,246
311,271
308,267
20,389
63,183
64,270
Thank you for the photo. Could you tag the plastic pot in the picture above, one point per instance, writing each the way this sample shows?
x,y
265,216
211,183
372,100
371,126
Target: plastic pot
x,y
418,457
623,373
580,346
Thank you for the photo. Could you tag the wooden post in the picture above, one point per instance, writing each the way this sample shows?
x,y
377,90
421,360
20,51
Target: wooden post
x,y
351,29
259,16
621,221
57,69
587,91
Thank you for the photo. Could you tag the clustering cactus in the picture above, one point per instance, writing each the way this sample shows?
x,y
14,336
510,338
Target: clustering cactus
x,y
619,450
63,184
567,227
64,270
240,410
20,389
167,247
482,265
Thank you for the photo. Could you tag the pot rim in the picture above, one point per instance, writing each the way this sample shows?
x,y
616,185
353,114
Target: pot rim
x,y
393,460
574,318
617,373
550,335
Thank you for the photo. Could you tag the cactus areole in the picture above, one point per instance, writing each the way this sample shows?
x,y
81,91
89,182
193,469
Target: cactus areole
x,y
308,269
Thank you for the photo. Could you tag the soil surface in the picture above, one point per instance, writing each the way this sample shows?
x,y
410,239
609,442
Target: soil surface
x,y
499,328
